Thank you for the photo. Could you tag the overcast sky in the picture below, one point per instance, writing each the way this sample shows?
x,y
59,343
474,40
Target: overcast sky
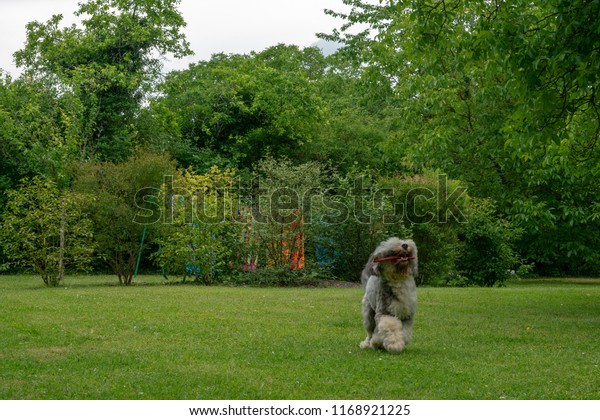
x,y
213,26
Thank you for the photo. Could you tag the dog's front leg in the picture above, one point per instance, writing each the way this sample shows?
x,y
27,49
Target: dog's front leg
x,y
389,332
368,315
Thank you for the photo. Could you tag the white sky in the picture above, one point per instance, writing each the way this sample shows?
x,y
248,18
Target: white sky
x,y
213,26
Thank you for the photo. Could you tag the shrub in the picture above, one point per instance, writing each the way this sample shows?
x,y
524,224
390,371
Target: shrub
x,y
430,209
439,249
488,256
283,205
196,235
123,194
45,229
462,240
349,225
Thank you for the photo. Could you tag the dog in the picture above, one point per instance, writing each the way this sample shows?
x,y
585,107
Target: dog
x,y
390,300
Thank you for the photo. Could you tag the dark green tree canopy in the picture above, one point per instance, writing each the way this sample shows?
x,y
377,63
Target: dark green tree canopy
x,y
110,62
241,106
130,35
502,95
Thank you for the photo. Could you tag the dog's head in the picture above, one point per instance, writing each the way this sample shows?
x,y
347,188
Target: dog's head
x,y
395,254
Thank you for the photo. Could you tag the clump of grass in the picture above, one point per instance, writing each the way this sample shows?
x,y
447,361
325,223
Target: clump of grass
x,y
90,341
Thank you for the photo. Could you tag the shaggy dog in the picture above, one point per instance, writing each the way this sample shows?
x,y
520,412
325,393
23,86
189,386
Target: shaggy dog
x,y
390,300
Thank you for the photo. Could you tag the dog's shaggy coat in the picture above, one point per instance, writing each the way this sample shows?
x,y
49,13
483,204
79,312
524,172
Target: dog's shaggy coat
x,y
390,300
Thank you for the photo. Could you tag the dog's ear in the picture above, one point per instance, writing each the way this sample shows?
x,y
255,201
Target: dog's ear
x,y
414,265
414,268
375,269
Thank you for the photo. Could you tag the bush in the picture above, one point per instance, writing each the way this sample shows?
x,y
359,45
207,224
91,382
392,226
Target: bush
x,y
124,204
45,229
427,208
349,225
299,224
196,236
283,205
462,241
488,256
439,249
430,209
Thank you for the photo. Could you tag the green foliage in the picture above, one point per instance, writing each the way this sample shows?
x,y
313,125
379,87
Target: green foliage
x,y
123,200
196,233
359,118
243,106
108,64
350,224
40,132
461,240
283,204
487,257
499,95
439,249
44,229
233,110
432,210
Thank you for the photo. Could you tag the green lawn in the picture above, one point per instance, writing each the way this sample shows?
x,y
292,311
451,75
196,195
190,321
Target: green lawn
x,y
88,340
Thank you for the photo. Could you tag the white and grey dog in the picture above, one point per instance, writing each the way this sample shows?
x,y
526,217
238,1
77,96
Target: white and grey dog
x,y
390,300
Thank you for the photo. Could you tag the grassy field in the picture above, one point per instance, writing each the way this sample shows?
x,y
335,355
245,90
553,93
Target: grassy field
x,y
88,340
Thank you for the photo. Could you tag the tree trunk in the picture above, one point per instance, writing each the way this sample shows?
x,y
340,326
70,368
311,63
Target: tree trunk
x,y
61,254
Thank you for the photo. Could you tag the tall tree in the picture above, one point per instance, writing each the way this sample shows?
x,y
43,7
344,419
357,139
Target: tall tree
x,y
237,107
502,95
40,132
110,63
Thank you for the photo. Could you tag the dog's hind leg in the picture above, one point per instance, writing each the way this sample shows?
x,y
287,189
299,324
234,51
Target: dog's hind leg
x,y
368,315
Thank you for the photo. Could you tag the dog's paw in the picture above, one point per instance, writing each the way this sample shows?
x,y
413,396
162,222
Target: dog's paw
x,y
394,343
366,344
394,347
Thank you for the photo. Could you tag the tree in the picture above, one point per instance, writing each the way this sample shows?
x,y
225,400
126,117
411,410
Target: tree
x,y
234,108
40,132
359,115
45,229
109,64
124,204
503,96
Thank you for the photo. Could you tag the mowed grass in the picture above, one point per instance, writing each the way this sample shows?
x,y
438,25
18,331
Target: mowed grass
x,y
92,341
